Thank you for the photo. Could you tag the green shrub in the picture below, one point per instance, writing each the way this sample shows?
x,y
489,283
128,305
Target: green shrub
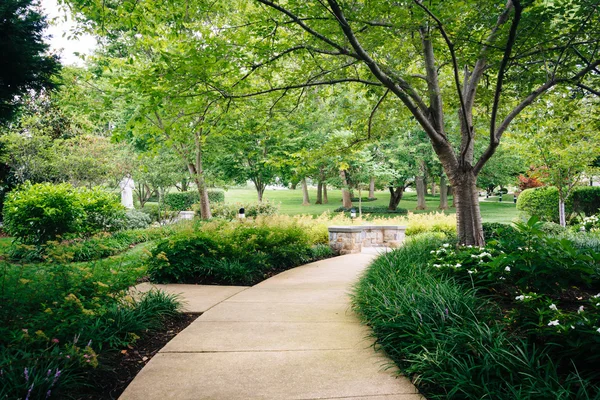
x,y
233,254
38,213
374,210
493,230
181,201
541,202
103,211
364,199
57,320
152,210
585,199
454,343
216,196
252,210
135,219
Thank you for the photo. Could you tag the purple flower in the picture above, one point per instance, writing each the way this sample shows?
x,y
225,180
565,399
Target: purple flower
x,y
89,343
29,392
26,374
49,372
56,376
48,394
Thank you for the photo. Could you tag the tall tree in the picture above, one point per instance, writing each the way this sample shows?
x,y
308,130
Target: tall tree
x,y
25,63
411,49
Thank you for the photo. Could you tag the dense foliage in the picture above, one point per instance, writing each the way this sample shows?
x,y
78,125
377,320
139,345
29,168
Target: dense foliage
x,y
35,214
230,211
181,201
543,202
26,65
373,210
58,320
519,318
234,253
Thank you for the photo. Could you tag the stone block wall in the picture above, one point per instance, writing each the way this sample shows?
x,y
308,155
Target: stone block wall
x,y
351,239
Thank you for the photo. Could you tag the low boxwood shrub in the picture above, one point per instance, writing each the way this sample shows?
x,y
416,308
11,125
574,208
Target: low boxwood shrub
x,y
374,210
35,214
232,254
364,199
182,201
541,202
136,219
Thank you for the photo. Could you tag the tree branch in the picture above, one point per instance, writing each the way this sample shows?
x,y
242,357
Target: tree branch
x,y
373,113
302,85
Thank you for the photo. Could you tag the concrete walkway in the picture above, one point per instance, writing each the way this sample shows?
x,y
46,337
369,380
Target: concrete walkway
x,y
292,336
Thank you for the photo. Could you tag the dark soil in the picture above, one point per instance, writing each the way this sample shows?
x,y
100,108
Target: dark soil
x,y
117,370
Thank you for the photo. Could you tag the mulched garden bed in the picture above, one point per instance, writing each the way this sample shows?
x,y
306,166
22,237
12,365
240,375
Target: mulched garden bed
x,y
117,370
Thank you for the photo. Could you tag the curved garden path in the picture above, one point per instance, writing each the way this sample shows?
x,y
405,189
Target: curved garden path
x,y
292,336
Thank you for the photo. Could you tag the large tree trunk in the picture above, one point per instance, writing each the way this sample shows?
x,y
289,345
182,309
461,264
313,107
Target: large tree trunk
x,y
443,193
395,197
319,192
260,190
420,184
305,198
346,196
451,190
372,188
432,186
468,216
325,199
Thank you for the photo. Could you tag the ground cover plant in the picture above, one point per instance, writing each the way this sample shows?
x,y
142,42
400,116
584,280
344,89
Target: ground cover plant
x,y
237,253
59,320
518,319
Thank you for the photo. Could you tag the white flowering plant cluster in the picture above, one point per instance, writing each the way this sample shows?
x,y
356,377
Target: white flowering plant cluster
x,y
543,285
590,224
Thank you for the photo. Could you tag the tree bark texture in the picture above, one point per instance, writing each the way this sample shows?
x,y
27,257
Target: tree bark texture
x,y
319,192
325,199
346,196
305,198
395,197
468,216
372,188
198,175
420,184
443,193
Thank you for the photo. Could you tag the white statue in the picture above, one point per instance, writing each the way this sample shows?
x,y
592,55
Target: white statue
x,y
127,185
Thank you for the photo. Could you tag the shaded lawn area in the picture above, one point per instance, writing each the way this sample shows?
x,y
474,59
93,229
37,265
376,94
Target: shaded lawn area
x,y
291,203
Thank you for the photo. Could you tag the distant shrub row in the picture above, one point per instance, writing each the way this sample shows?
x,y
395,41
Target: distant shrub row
x,y
374,210
543,202
181,201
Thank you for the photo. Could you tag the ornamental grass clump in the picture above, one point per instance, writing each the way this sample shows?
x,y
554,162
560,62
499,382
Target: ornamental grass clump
x,y
464,325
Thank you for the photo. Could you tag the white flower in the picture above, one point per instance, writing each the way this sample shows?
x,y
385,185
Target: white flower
x,y
458,265
598,330
507,269
553,323
520,298
437,265
553,307
572,327
138,35
432,252
469,271
474,256
580,310
446,245
502,278
596,296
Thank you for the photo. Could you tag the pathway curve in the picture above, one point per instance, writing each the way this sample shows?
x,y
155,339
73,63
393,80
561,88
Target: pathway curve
x,y
292,336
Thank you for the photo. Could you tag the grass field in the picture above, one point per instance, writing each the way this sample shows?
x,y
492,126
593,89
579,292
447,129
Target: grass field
x,y
290,202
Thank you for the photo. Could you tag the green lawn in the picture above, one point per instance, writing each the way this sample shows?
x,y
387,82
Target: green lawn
x,y
290,202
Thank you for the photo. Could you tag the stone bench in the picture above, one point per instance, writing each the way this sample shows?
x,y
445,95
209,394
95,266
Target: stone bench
x,y
351,239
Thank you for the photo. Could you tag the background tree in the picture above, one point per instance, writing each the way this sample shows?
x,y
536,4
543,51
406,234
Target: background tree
x,y
25,63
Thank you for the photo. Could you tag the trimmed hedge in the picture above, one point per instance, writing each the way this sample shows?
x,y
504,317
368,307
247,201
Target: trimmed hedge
x,y
182,201
543,202
374,210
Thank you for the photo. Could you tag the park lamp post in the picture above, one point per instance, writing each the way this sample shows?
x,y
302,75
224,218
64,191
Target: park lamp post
x,y
353,213
500,197
515,198
242,214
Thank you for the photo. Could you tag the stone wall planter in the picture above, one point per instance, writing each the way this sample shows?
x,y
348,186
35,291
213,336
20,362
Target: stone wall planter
x,y
351,239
